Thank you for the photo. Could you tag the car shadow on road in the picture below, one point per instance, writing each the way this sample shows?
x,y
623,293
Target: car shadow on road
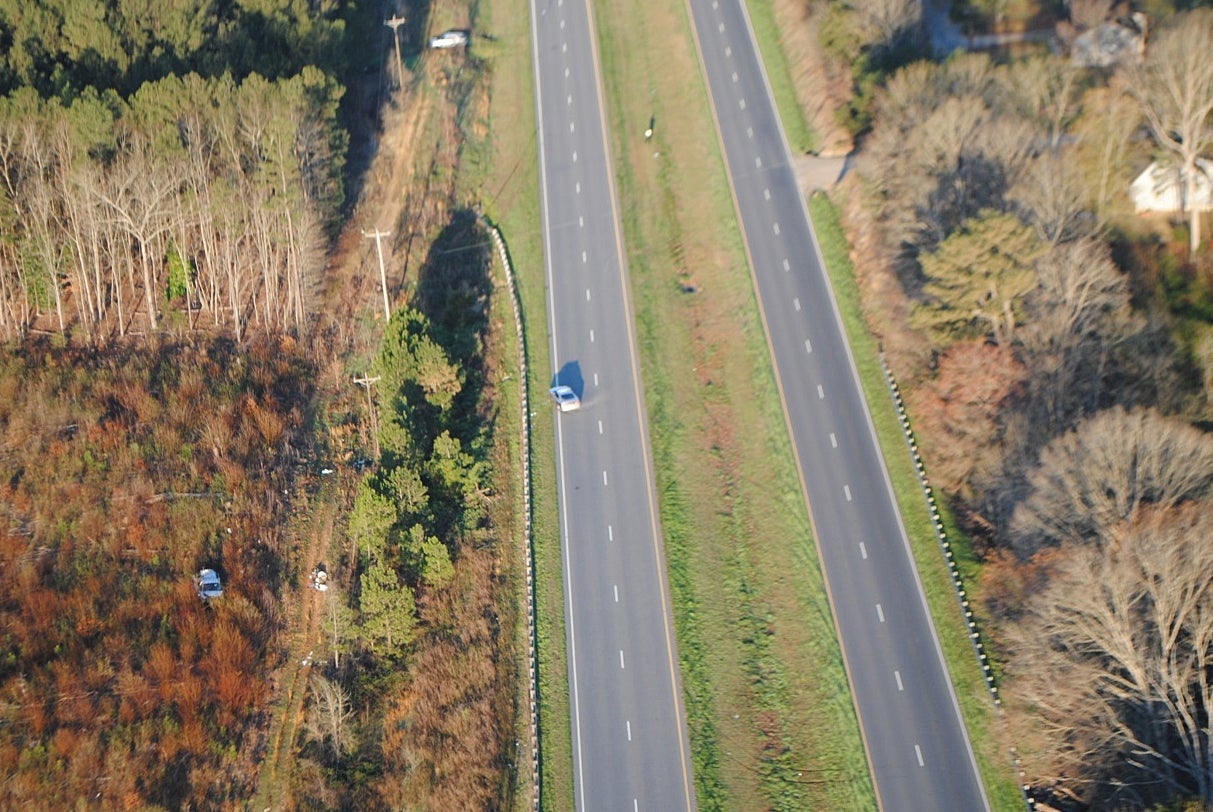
x,y
570,376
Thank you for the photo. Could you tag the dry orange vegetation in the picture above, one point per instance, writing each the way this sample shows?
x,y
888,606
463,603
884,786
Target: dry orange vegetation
x,y
124,473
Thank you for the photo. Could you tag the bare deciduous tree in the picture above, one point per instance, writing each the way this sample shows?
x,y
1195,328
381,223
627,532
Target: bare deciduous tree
x,y
1053,195
1078,317
1098,476
1115,660
883,22
958,142
1086,14
1103,136
1174,86
328,716
1049,89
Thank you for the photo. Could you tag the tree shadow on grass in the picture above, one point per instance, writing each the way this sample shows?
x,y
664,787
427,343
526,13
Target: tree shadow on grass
x,y
454,290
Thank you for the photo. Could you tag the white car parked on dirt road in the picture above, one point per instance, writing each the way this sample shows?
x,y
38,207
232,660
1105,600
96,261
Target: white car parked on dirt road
x,y
449,39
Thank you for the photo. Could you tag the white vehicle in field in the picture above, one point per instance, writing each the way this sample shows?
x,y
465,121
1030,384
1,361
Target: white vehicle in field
x,y
565,398
450,39
209,585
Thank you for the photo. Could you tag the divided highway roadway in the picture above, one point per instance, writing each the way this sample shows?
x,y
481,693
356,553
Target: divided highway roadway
x,y
630,748
918,749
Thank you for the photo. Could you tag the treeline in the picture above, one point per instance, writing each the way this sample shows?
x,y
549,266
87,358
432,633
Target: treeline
x,y
428,627
1059,371
59,48
125,473
129,186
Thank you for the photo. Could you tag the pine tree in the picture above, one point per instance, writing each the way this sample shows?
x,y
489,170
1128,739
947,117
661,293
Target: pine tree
x,y
389,611
977,278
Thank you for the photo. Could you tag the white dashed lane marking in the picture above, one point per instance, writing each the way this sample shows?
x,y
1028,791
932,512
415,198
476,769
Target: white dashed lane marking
x,y
833,440
821,392
846,489
863,550
879,611
917,752
896,674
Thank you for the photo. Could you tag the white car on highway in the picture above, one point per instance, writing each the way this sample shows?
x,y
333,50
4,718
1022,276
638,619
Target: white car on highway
x,y
565,398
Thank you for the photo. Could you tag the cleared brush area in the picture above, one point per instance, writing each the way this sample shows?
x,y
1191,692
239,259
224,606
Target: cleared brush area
x,y
771,720
452,667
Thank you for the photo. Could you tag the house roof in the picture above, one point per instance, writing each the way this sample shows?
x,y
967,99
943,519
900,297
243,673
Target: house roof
x,y
1157,188
1105,45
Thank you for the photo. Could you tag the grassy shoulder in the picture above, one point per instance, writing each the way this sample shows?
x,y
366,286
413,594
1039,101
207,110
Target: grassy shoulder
x,y
771,720
800,135
980,715
510,194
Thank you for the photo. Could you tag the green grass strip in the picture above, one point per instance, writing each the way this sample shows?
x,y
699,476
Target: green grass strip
x,y
507,186
801,137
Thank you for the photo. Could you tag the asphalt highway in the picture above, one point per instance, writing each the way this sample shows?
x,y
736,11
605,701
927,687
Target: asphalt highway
x,y
630,749
918,749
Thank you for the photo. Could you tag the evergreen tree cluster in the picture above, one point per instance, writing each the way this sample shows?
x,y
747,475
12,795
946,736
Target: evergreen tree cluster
x,y
427,498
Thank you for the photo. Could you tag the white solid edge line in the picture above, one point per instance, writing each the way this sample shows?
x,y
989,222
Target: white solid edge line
x,y
564,526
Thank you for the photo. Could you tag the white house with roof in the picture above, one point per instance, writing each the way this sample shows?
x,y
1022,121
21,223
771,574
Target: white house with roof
x,y
1157,188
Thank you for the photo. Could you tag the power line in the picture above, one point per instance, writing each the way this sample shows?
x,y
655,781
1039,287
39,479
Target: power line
x,y
379,235
366,382
395,22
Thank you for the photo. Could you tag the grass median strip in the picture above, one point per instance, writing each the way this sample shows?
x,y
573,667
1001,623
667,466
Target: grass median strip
x,y
771,719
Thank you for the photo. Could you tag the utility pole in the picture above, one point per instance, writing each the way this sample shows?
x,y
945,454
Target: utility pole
x,y
379,235
395,22
365,382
